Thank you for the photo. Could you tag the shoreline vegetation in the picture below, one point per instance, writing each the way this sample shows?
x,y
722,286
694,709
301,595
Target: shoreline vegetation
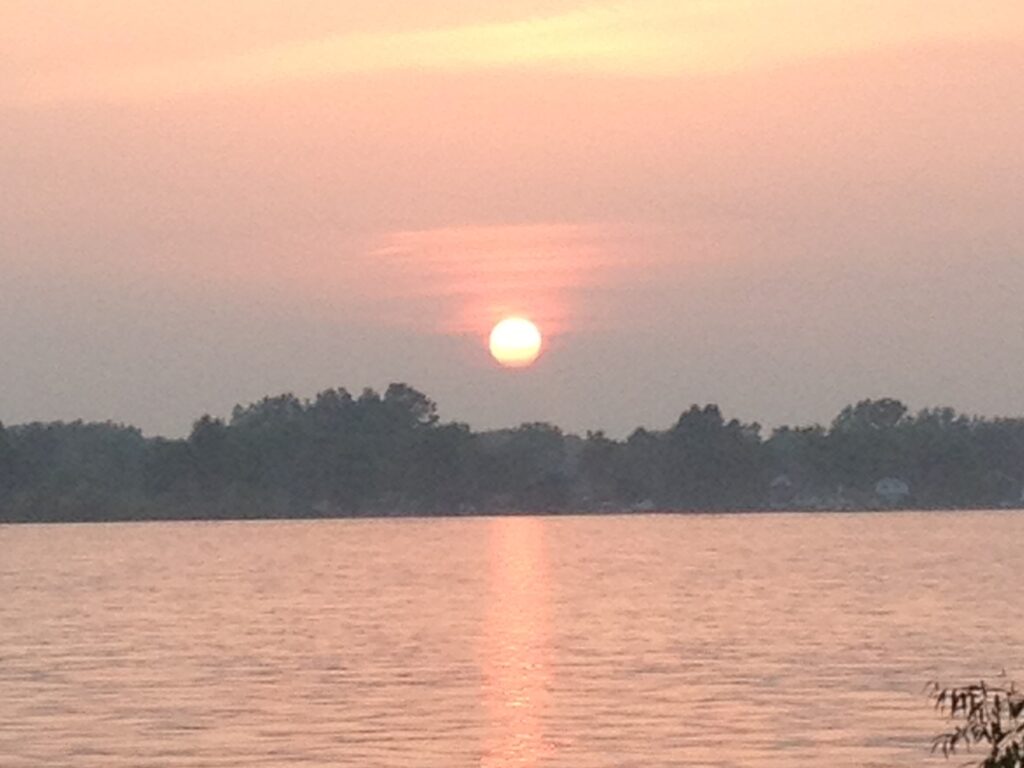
x,y
389,455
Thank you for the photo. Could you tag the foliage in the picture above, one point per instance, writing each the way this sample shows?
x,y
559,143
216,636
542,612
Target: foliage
x,y
390,453
988,715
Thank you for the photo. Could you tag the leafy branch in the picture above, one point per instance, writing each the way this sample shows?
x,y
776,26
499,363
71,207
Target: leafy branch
x,y
988,715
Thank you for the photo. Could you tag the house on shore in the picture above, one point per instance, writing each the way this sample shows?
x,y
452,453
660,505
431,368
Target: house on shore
x,y
892,491
781,493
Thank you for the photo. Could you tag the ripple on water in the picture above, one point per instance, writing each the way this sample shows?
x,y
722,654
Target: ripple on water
x,y
768,640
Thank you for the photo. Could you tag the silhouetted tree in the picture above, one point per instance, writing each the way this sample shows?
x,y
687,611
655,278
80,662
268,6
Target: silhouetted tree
x,y
75,471
802,455
7,462
710,462
864,443
207,445
342,455
524,468
603,473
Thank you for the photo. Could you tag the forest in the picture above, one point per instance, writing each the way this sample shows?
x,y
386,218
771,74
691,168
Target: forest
x,y
374,454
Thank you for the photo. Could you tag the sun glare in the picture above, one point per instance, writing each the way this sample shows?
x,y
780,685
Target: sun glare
x,y
515,342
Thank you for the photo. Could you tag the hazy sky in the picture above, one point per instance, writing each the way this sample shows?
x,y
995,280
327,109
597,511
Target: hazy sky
x,y
778,205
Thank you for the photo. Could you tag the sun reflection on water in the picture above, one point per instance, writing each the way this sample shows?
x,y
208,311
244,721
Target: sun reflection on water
x,y
516,650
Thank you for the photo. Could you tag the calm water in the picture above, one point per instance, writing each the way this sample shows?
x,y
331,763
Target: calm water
x,y
775,640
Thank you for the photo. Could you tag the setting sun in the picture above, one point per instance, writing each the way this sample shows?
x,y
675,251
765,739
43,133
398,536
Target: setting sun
x,y
515,342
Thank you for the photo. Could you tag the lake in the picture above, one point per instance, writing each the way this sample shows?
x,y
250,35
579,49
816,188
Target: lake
x,y
582,642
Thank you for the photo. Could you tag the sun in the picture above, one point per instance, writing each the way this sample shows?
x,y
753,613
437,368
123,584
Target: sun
x,y
516,342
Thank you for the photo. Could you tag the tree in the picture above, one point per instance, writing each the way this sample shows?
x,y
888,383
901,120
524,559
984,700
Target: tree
x,y
870,415
409,406
77,471
601,471
6,462
169,471
864,443
712,463
801,454
525,467
644,473
207,446
440,474
941,451
388,453
991,716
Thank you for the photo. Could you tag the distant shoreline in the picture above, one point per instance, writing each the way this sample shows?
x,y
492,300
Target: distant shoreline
x,y
389,455
496,515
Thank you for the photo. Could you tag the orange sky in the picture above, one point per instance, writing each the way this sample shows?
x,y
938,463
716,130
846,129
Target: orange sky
x,y
777,205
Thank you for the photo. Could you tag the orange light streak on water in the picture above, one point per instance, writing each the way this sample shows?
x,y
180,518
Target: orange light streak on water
x,y
516,651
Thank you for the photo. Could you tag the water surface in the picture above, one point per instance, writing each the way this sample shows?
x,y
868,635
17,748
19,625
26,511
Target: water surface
x,y
767,640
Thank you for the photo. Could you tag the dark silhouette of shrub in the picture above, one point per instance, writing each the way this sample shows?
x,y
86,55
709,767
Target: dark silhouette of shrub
x,y
984,715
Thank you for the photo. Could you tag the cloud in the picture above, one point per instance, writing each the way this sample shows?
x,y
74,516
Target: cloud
x,y
465,279
642,38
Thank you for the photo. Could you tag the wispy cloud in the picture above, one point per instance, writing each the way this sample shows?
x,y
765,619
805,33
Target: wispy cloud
x,y
643,37
464,279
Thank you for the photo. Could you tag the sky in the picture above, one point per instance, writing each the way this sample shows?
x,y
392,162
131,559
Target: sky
x,y
776,205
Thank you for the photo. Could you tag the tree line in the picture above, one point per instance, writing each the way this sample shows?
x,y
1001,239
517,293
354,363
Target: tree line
x,y
388,453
